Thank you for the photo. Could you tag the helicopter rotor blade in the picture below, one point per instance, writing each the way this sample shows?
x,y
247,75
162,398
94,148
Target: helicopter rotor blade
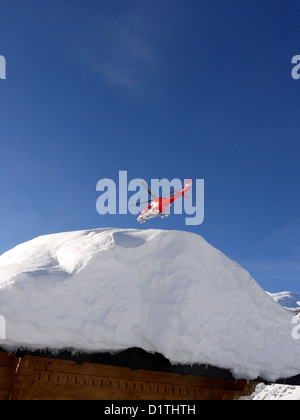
x,y
137,204
147,188
168,194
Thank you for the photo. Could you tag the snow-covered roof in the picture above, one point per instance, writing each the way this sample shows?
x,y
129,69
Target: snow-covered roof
x,y
163,291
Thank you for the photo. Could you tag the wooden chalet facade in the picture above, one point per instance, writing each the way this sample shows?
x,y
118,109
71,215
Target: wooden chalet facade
x,y
129,375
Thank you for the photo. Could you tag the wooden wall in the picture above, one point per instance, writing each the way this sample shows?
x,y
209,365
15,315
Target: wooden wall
x,y
41,378
8,366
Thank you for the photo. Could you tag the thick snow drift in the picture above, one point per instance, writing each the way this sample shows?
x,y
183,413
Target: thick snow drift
x,y
164,291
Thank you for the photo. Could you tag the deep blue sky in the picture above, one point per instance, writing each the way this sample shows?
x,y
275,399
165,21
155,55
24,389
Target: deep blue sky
x,y
162,89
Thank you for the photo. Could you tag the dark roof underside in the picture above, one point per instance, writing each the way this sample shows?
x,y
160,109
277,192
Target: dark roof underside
x,y
137,358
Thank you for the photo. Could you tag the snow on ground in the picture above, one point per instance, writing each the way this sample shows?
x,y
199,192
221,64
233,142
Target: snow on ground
x,y
275,392
164,291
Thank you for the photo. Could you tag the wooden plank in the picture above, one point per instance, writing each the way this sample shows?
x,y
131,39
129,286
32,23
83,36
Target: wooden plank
x,y
49,378
66,366
81,388
55,384
7,359
8,364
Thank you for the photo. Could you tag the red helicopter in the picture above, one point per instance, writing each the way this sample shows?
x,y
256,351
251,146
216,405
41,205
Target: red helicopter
x,y
159,205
